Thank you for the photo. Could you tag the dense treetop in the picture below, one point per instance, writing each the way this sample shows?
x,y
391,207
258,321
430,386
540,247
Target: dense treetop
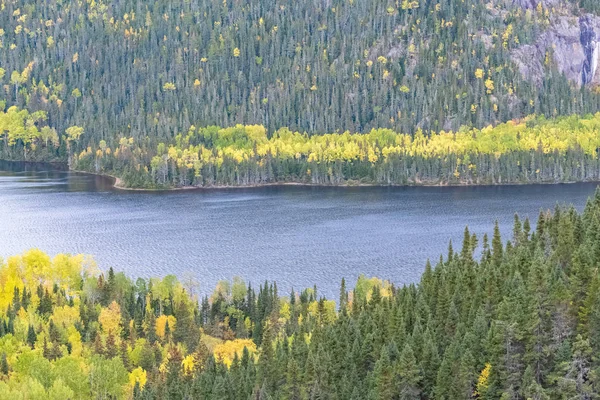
x,y
149,69
137,86
532,150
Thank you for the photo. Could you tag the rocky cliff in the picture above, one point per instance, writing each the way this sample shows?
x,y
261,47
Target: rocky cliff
x,y
530,4
572,40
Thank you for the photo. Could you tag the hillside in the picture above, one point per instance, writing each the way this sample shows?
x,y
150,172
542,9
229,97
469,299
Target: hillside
x,y
133,75
151,69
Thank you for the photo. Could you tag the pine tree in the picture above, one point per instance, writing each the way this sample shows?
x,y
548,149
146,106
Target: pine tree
x,y
174,388
124,353
137,391
98,345
343,302
111,347
147,357
409,375
497,248
31,336
4,368
150,326
383,378
45,306
16,300
293,384
186,331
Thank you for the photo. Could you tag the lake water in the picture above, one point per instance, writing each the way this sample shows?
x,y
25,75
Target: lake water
x,y
295,235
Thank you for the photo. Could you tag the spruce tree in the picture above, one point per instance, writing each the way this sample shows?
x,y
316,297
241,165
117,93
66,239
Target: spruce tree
x,y
31,336
186,331
409,375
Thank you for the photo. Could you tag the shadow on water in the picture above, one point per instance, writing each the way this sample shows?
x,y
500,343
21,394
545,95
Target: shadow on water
x,y
52,177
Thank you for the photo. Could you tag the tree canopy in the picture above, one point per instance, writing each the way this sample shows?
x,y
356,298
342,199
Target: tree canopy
x,y
497,320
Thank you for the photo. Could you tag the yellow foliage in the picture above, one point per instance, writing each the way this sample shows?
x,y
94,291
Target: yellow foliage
x,y
74,338
489,85
33,268
188,364
482,381
161,324
227,349
138,375
110,319
284,310
65,316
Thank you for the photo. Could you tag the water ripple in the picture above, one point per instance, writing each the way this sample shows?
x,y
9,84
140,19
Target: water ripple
x,y
298,236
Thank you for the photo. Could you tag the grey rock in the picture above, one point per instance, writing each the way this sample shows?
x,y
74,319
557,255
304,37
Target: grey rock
x,y
529,4
574,44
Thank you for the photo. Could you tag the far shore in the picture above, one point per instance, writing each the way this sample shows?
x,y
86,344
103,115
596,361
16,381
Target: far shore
x,y
119,184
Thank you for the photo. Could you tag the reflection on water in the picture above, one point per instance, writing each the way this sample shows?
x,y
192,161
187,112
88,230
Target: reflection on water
x,y
296,235
55,177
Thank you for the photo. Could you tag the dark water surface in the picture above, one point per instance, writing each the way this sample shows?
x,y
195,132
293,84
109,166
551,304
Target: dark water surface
x,y
295,235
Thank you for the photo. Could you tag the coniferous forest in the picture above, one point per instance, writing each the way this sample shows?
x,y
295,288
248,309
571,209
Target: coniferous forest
x,y
139,90
493,319
161,94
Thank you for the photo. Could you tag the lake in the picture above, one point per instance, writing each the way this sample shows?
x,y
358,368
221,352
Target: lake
x,y
293,234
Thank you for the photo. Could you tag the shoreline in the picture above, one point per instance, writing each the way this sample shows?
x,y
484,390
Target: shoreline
x,y
118,184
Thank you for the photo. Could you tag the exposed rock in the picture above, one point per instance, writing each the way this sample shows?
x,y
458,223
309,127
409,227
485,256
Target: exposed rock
x,y
573,44
529,4
395,52
589,43
529,59
486,39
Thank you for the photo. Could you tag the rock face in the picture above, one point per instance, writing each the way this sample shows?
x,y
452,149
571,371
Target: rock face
x,y
589,44
574,44
529,4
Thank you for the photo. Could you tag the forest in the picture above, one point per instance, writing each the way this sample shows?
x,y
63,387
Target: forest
x,y
495,319
531,150
149,68
136,89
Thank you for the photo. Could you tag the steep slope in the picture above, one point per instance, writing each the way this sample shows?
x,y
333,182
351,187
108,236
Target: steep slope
x,y
135,74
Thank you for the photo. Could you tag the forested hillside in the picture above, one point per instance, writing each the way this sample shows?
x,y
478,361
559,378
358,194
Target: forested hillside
x,y
153,68
136,74
534,150
519,321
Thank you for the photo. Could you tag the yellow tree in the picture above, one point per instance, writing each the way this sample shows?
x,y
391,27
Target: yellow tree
x,y
73,133
110,319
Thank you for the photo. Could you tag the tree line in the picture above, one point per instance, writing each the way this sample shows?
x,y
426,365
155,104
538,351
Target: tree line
x,y
531,150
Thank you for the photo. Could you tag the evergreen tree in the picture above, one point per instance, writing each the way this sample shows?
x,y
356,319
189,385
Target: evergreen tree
x,y
31,336
186,331
409,375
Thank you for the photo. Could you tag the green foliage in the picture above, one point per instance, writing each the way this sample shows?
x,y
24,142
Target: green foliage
x,y
532,151
522,321
154,68
156,72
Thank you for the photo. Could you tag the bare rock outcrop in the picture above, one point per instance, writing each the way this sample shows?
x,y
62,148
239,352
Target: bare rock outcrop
x,y
530,4
574,44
